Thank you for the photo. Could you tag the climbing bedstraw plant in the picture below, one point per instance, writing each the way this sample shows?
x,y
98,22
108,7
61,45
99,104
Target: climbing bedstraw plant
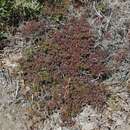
x,y
66,72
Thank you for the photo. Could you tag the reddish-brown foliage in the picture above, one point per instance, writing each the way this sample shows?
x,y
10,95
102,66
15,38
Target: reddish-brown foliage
x,y
120,55
32,27
78,50
60,71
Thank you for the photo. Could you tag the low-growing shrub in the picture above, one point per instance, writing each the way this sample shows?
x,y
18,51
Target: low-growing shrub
x,y
65,72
